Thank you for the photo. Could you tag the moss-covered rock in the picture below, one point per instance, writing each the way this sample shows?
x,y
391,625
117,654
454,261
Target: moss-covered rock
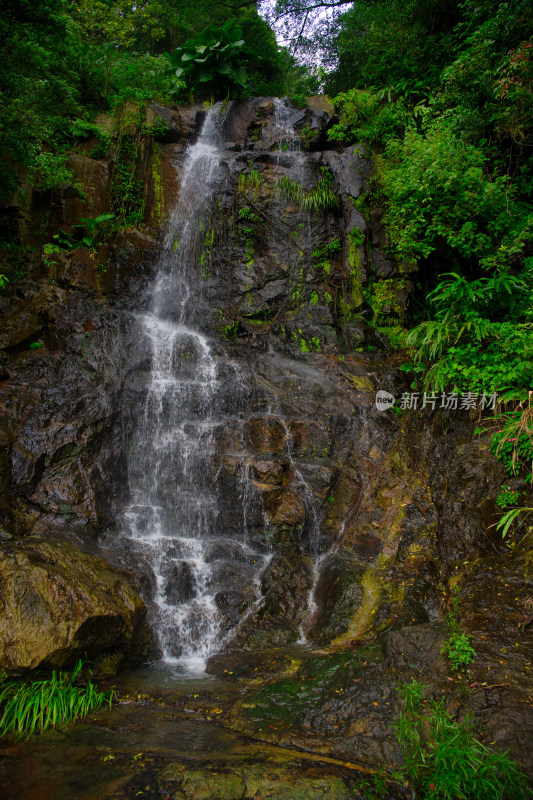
x,y
58,604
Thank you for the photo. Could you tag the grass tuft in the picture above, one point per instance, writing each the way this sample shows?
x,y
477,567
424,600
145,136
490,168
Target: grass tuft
x,y
33,707
444,760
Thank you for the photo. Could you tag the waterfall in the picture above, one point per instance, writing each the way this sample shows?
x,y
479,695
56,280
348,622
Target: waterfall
x,y
171,518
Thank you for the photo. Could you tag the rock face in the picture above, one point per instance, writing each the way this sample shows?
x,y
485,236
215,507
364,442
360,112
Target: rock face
x,y
59,604
366,520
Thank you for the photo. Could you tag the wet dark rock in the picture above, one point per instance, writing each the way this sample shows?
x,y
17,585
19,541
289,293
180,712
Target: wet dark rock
x,y
338,595
384,267
233,606
180,585
349,169
173,124
464,495
285,584
419,648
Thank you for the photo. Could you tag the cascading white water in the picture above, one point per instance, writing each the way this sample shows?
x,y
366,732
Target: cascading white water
x,y
171,519
289,141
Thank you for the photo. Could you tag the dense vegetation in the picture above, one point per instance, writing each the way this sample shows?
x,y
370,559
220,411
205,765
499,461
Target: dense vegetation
x,y
442,95
63,61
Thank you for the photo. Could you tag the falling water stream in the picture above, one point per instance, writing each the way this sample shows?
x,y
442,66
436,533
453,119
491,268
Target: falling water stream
x,y
172,514
172,520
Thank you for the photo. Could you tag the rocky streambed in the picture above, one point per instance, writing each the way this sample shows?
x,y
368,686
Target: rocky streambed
x,y
338,533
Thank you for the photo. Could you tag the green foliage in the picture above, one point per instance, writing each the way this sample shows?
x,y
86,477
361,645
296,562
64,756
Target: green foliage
x,y
64,62
392,43
512,441
36,345
480,333
214,57
508,497
322,255
444,760
249,181
94,230
87,233
246,213
459,651
384,298
451,117
321,198
127,198
440,192
458,647
370,116
3,281
33,707
396,335
50,171
515,516
140,78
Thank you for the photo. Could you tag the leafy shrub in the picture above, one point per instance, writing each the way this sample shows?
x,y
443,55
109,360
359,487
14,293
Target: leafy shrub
x,y
368,116
145,77
470,348
440,190
50,171
515,516
33,707
459,650
512,442
444,760
508,497
214,57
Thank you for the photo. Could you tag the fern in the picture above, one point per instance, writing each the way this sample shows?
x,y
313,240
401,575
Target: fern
x,y
321,198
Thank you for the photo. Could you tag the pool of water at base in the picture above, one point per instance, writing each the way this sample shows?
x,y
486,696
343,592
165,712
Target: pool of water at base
x,y
165,716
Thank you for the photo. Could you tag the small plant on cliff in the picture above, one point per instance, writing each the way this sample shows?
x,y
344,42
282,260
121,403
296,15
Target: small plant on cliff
x,y
33,707
508,497
458,647
512,440
321,198
444,760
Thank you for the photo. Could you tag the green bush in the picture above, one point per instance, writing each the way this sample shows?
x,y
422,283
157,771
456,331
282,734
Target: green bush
x,y
367,115
440,191
444,760
215,58
480,336
33,707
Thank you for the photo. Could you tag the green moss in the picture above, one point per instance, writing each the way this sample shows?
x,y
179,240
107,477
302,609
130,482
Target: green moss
x,y
281,700
159,195
397,336
356,239
384,298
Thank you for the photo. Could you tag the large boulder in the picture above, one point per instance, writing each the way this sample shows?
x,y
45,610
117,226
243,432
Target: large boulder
x,y
58,604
